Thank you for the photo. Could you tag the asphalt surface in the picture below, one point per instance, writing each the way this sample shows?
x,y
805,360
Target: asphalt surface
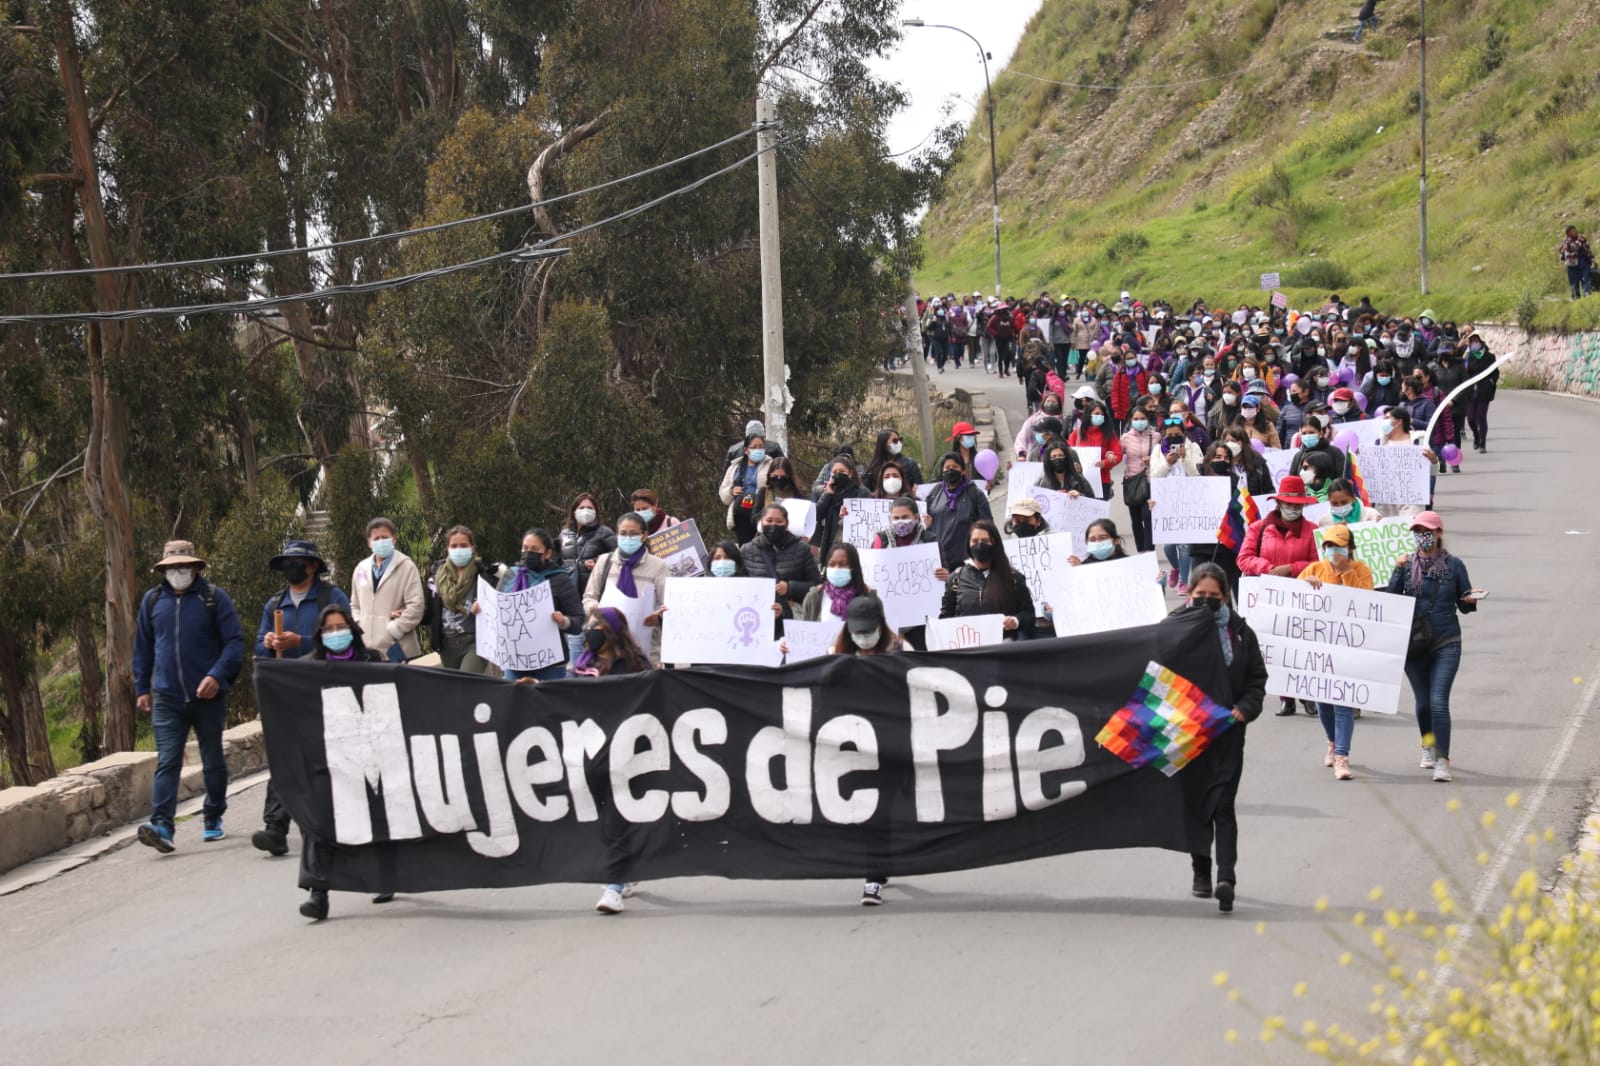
x,y
1091,958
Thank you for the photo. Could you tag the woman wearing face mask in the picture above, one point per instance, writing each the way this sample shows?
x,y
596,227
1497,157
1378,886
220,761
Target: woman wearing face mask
x,y
725,561
540,562
1344,504
1141,444
1439,583
1338,566
1382,387
1178,456
777,553
647,506
1027,439
1211,783
953,507
609,650
1218,462
1282,545
1255,420
452,589
964,437
891,448
744,486
1061,470
1400,435
1248,465
986,584
842,581
1102,542
584,538
892,482
337,639
1126,381
1096,431
1479,396
1316,438
630,570
1225,412
1345,408
832,502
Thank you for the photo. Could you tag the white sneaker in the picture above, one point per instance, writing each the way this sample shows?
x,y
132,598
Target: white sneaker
x,y
1430,757
1441,770
627,889
872,894
610,902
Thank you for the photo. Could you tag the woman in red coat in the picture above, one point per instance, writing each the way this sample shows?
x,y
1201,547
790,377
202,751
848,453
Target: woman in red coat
x,y
1099,433
1281,545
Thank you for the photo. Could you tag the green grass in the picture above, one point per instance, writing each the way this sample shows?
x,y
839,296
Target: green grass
x,y
1321,186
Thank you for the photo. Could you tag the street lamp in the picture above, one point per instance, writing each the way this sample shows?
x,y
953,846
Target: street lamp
x,y
994,169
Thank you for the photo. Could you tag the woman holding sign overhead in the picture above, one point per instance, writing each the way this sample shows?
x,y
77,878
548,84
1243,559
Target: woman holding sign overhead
x,y
631,577
1338,566
986,584
1282,545
541,562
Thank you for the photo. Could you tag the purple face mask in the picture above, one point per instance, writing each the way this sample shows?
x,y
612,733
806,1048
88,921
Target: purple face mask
x,y
903,527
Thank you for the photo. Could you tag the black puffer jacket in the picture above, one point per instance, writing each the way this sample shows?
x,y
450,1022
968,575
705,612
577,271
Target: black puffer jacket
x,y
793,563
967,593
581,545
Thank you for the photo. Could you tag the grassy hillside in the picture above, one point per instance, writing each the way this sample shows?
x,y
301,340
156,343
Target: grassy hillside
x,y
1244,136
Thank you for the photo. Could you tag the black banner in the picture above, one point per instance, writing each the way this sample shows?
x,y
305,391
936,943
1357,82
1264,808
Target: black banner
x,y
424,779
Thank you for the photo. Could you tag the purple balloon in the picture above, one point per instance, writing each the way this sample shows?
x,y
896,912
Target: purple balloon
x,y
1346,375
1290,379
1450,454
1259,445
987,463
1380,412
1346,441
1361,401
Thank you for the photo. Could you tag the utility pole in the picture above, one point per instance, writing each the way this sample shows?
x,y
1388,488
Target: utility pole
x,y
919,374
773,373
1423,107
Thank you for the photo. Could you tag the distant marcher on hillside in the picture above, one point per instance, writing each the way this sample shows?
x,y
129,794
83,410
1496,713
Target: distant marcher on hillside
x,y
1366,18
1579,260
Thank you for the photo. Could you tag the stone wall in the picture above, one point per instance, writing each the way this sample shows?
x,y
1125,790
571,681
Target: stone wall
x,y
1559,362
88,800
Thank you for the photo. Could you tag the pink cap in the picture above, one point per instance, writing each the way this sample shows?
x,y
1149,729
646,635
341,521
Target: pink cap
x,y
1428,520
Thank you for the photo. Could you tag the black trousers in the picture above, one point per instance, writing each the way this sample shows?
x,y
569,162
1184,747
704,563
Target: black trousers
x,y
273,813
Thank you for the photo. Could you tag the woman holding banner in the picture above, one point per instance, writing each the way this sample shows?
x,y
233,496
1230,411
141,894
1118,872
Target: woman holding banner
x,y
541,562
725,561
1211,781
1062,471
1223,548
1439,582
1248,465
1338,566
1282,545
986,584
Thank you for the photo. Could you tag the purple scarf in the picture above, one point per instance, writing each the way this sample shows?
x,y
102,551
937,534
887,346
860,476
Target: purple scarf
x,y
341,657
625,582
840,599
614,619
954,494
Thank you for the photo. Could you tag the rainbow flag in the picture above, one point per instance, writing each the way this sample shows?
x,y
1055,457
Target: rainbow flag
x,y
1242,511
1166,724
1358,481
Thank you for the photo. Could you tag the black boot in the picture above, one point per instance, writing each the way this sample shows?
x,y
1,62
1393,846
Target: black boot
x,y
383,897
270,840
1309,708
315,906
1225,896
1286,710
1202,876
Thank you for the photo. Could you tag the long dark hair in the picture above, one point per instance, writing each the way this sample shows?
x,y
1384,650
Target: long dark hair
x,y
358,646
731,550
1005,598
858,580
572,510
1065,480
619,641
880,455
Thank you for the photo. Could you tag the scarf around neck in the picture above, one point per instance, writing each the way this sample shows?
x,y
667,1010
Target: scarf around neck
x,y
839,599
625,583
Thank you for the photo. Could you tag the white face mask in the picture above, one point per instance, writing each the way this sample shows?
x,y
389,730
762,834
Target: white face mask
x,y
584,515
1248,372
891,485
865,640
894,447
1234,448
1340,407
180,577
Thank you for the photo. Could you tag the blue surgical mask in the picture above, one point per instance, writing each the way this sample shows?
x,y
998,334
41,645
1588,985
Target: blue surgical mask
x,y
1310,440
724,568
1333,551
1097,420
1384,379
1038,438
1155,388
460,556
646,513
1343,512
758,455
1102,549
1139,425
383,547
629,545
338,640
838,576
968,440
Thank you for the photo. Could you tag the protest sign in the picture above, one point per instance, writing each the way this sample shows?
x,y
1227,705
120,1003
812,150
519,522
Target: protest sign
x,y
1335,645
1096,597
433,780
1395,475
635,609
809,640
1035,557
680,547
1069,514
903,579
1278,460
516,629
1379,544
1089,459
974,631
719,620
1188,510
861,520
802,516
1019,479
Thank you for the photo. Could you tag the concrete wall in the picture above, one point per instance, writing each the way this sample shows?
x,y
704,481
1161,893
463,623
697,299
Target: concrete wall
x,y
1559,362
88,800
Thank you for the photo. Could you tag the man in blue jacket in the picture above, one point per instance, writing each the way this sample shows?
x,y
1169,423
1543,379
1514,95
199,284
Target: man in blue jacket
x,y
303,597
187,650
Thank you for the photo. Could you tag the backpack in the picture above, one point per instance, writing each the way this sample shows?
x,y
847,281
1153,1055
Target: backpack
x,y
208,596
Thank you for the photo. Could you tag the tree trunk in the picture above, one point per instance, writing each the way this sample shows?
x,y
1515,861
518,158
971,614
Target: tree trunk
x,y
419,470
105,463
90,687
27,739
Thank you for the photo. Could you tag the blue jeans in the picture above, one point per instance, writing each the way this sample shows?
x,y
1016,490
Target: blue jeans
x,y
557,672
171,721
1339,723
395,653
1578,280
1178,559
1431,678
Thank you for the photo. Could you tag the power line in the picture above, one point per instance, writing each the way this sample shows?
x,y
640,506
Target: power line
x,y
250,257
530,251
1164,84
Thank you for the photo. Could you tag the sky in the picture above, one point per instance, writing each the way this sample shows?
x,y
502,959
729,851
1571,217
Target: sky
x,y
935,66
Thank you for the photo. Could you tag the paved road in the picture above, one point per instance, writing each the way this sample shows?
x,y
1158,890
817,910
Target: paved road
x,y
1095,958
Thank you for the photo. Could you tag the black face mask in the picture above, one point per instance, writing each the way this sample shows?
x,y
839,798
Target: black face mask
x,y
594,639
533,560
296,570
777,536
953,476
1059,465
1210,603
981,552
1220,466
779,482
1022,530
